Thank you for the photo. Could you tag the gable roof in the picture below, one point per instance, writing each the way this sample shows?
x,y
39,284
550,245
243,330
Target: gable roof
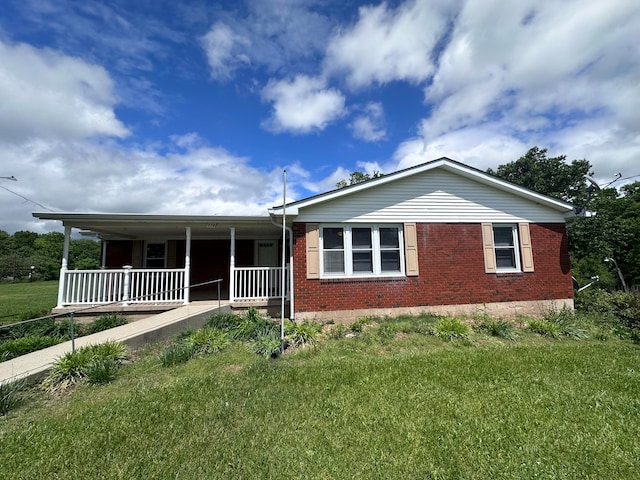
x,y
443,163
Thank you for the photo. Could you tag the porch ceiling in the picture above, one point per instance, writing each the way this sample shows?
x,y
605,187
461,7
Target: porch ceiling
x,y
144,226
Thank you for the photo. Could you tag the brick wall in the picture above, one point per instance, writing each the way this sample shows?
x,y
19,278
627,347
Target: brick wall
x,y
451,266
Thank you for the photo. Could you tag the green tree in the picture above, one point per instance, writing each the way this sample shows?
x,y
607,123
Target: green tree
x,y
23,243
358,177
550,176
84,254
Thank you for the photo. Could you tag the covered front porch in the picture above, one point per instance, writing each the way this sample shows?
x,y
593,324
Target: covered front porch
x,y
164,260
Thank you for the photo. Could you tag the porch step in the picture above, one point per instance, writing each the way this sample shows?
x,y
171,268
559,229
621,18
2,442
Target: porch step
x,y
135,334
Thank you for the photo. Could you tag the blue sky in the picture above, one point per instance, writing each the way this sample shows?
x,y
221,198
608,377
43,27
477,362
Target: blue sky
x,y
196,107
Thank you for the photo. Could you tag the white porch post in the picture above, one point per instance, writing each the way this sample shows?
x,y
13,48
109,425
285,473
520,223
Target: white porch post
x,y
63,267
187,266
103,246
232,265
127,285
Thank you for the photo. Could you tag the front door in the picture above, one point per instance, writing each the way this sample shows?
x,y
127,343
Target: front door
x,y
267,253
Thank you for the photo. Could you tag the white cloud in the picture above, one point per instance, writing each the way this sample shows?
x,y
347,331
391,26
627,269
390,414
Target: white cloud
x,y
481,147
387,45
224,50
560,76
546,60
278,35
50,95
369,124
88,177
302,105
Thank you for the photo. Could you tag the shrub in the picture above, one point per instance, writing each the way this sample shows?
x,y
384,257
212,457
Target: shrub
x,y
497,328
624,306
450,329
545,328
21,346
105,322
267,343
303,333
10,395
207,340
176,353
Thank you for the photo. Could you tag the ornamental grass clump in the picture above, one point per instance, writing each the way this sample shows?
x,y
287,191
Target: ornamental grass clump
x,y
497,328
300,334
222,321
451,329
176,353
567,322
207,340
10,395
267,343
21,346
71,369
251,325
107,321
545,328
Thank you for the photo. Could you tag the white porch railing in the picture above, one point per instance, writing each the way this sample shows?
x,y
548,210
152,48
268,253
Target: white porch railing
x,y
129,285
126,285
259,283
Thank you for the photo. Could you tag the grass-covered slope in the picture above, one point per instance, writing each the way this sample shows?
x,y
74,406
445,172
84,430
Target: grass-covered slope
x,y
413,406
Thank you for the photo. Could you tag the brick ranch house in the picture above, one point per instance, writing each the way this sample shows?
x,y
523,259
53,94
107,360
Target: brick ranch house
x,y
440,236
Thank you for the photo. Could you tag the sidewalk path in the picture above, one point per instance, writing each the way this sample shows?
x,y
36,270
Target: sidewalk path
x,y
148,330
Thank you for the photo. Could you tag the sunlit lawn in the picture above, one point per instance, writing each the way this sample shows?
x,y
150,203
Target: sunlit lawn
x,y
413,407
18,300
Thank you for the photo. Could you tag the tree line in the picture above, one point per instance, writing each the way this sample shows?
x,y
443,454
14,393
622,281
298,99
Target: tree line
x,y
29,255
604,240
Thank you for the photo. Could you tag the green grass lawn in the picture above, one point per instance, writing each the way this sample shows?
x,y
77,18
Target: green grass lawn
x,y
18,300
411,407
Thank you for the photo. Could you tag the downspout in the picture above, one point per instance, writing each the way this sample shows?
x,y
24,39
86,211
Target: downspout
x,y
291,294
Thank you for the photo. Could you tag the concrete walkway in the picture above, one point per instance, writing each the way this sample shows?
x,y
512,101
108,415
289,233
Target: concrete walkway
x,y
148,330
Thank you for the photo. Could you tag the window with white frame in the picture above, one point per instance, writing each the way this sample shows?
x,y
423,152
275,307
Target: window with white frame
x,y
505,244
361,250
155,255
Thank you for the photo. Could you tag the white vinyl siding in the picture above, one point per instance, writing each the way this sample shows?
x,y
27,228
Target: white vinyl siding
x,y
361,250
435,196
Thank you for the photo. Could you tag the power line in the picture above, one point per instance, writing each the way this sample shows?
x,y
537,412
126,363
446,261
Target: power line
x,y
27,199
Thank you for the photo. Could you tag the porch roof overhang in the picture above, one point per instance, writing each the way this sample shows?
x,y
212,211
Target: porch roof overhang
x,y
134,226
